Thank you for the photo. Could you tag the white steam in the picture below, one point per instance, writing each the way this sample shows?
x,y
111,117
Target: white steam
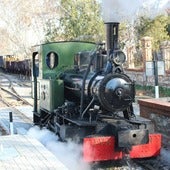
x,y
119,10
68,153
128,10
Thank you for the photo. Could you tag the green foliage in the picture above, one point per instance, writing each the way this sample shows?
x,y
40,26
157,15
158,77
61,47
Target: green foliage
x,y
168,26
155,28
51,31
80,20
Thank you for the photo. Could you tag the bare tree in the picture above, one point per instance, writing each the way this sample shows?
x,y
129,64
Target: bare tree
x,y
22,24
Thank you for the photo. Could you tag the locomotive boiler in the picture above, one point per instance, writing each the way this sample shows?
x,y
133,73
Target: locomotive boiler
x,y
81,92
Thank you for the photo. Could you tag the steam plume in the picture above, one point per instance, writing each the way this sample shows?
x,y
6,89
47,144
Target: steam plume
x,y
68,153
121,10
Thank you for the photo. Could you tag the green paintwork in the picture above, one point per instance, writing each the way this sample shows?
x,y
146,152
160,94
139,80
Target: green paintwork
x,y
51,94
66,52
51,87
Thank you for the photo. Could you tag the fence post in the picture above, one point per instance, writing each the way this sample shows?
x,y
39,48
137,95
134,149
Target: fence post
x,y
11,127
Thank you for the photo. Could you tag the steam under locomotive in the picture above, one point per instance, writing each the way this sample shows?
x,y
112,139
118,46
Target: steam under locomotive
x,y
81,92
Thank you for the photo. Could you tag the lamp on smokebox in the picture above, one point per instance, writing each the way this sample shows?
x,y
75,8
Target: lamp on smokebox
x,y
119,57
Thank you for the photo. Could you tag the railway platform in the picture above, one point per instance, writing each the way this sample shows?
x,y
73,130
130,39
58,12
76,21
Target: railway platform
x,y
21,151
25,153
22,119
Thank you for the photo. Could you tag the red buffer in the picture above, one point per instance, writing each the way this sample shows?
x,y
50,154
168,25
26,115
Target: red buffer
x,y
104,148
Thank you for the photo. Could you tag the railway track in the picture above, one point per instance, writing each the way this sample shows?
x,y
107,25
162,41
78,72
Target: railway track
x,y
158,163
9,96
14,95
